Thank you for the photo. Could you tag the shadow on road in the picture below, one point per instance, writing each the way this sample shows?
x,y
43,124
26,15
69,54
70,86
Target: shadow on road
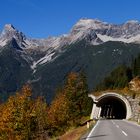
x,y
94,136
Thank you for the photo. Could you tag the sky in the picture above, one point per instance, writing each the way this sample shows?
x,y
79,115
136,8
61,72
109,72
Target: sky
x,y
43,18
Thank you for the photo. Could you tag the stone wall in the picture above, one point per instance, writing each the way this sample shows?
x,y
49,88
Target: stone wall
x,y
134,101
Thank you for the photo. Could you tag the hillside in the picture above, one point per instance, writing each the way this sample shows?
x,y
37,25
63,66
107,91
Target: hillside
x,y
45,63
96,61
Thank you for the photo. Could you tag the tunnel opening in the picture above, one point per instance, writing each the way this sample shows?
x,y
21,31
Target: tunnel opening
x,y
112,108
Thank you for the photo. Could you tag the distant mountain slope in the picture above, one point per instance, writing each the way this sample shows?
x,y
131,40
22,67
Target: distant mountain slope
x,y
14,70
96,61
92,46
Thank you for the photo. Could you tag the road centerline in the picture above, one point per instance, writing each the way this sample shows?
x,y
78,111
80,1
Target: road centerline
x,y
113,122
117,126
124,133
122,130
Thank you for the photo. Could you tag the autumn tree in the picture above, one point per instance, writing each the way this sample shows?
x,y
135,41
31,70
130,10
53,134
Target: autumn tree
x,y
58,114
15,116
70,104
39,112
21,117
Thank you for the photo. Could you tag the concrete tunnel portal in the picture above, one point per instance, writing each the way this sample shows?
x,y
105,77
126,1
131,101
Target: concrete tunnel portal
x,y
110,106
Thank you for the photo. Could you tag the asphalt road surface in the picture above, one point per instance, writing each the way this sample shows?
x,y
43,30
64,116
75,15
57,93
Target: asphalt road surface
x,y
114,130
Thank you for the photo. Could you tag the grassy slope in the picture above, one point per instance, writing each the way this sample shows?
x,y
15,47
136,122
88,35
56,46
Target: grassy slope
x,y
77,133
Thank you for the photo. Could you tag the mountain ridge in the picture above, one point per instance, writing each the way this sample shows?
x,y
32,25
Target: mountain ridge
x,y
80,30
94,31
45,63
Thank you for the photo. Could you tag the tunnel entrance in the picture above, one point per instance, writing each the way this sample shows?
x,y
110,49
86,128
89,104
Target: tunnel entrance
x,y
112,108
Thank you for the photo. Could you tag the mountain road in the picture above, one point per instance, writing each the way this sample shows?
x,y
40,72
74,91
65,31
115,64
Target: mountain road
x,y
114,130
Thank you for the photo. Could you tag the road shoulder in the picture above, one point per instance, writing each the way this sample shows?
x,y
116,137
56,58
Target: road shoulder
x,y
132,122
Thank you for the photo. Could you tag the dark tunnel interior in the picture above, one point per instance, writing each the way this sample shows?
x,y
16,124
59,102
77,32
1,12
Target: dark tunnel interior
x,y
112,108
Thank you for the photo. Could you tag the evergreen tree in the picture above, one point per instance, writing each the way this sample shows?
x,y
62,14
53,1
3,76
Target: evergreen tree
x,y
76,91
136,66
119,78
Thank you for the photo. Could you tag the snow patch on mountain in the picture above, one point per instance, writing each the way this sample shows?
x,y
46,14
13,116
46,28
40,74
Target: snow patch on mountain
x,y
105,38
43,60
3,43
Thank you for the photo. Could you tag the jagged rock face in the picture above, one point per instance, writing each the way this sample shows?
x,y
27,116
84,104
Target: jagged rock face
x,y
134,84
127,32
9,32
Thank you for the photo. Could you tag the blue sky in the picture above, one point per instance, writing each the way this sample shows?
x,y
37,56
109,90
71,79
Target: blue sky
x,y
43,18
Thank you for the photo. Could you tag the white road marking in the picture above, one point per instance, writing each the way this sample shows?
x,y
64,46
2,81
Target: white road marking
x,y
117,126
113,122
120,129
124,133
88,137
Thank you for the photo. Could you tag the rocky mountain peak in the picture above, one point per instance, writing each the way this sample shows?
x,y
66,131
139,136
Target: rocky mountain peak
x,y
9,32
132,22
85,24
88,22
9,27
99,32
